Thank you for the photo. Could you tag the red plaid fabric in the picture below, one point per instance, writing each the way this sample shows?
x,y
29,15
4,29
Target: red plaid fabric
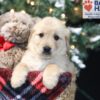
x,y
33,89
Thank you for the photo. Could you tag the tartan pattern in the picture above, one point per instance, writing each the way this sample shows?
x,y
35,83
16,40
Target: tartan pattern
x,y
33,89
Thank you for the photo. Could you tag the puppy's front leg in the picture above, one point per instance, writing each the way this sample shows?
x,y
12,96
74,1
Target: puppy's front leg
x,y
19,75
51,76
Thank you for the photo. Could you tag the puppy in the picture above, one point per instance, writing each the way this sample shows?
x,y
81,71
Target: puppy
x,y
46,52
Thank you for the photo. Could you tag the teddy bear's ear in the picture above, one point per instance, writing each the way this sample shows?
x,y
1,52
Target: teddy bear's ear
x,y
4,18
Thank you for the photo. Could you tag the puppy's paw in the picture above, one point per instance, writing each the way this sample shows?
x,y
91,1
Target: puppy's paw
x,y
19,75
50,82
17,81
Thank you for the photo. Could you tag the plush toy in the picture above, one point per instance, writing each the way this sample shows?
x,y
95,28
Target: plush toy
x,y
14,33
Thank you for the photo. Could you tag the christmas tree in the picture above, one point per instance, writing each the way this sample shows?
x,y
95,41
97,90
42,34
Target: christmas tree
x,y
85,33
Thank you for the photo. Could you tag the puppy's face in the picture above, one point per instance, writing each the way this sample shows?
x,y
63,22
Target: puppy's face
x,y
48,38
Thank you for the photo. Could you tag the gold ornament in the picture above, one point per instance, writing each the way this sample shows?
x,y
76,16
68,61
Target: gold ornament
x,y
77,11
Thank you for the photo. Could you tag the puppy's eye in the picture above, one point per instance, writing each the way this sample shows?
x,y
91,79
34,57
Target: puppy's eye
x,y
41,35
56,37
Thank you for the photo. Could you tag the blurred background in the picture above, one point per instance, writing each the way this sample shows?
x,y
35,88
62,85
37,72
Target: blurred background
x,y
84,40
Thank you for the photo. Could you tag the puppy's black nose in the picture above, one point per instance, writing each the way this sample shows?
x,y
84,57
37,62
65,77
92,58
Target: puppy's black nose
x,y
47,50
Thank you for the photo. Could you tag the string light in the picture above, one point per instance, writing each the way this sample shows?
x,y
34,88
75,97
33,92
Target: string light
x,y
63,16
83,33
12,10
72,47
23,11
28,1
32,3
50,10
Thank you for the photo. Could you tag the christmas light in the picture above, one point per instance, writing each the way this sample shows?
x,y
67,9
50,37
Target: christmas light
x,y
32,3
83,33
12,10
50,10
72,47
23,11
63,16
28,1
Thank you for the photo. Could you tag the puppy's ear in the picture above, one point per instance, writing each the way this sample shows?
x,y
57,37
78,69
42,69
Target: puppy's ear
x,y
35,21
67,33
67,37
67,43
31,33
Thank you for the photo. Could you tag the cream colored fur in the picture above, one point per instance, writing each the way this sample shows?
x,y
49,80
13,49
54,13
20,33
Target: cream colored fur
x,y
34,60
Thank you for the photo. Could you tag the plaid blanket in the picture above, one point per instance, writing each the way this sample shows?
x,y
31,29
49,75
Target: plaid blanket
x,y
33,89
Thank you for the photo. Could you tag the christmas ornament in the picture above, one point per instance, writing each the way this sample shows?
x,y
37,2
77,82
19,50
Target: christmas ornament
x,y
77,11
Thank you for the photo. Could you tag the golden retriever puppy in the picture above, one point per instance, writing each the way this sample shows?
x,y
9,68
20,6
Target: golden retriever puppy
x,y
46,52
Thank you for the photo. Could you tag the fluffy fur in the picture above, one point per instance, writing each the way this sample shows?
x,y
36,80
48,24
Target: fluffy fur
x,y
14,27
49,32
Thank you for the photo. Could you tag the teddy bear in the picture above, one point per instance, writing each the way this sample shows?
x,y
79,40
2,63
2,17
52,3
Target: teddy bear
x,y
14,33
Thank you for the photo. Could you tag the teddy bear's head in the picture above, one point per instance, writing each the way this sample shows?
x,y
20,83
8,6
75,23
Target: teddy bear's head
x,y
17,28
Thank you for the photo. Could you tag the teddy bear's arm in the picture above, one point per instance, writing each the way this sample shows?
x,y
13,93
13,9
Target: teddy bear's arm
x,y
6,59
11,57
